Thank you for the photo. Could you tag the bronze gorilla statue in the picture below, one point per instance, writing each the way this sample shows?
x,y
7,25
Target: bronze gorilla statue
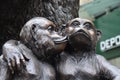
x,y
79,60
27,58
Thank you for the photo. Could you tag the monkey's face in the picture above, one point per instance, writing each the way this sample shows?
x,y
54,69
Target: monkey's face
x,y
39,34
82,33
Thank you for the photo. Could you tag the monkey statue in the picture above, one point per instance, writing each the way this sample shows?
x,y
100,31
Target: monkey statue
x,y
28,59
79,60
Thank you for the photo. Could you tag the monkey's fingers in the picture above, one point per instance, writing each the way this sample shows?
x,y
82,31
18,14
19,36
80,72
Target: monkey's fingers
x,y
13,63
17,61
22,58
25,57
10,65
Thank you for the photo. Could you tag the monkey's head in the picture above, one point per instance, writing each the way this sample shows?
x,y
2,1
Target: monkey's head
x,y
39,35
82,34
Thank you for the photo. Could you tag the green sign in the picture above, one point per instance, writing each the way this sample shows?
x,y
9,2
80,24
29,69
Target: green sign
x,y
109,44
106,16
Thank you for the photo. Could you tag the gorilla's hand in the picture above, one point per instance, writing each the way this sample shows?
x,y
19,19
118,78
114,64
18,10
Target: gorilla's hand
x,y
13,53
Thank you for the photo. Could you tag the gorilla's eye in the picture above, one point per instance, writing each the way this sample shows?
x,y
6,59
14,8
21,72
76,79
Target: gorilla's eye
x,y
75,23
50,28
88,25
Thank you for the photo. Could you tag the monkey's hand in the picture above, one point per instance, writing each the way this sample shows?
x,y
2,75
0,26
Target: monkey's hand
x,y
14,55
111,68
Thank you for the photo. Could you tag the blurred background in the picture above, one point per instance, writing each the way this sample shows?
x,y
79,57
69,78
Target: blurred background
x,y
106,16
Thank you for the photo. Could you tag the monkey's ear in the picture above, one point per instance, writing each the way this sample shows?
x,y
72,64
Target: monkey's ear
x,y
99,33
24,34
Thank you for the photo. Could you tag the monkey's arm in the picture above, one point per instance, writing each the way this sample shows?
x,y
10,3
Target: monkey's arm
x,y
114,70
13,54
5,73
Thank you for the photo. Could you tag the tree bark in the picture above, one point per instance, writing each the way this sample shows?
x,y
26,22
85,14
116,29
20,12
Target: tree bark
x,y
15,13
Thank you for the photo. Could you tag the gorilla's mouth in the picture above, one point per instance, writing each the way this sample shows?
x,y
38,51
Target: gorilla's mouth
x,y
60,40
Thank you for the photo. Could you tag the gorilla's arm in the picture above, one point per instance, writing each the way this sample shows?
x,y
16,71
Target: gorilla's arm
x,y
114,70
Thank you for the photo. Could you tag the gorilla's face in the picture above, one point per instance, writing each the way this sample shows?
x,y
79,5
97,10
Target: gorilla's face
x,y
40,35
82,33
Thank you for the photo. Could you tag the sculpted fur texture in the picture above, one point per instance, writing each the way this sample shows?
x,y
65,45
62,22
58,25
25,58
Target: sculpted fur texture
x,y
79,60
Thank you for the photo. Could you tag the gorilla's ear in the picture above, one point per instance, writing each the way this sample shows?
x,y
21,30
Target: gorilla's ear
x,y
99,33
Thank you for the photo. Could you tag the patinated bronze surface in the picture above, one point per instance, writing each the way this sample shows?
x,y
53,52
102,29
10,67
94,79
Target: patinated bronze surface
x,y
31,61
31,58
79,60
14,14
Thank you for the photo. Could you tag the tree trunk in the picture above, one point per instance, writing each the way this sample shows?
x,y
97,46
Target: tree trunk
x,y
15,13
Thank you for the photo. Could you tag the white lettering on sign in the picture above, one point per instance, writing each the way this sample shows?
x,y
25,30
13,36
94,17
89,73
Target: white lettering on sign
x,y
110,43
